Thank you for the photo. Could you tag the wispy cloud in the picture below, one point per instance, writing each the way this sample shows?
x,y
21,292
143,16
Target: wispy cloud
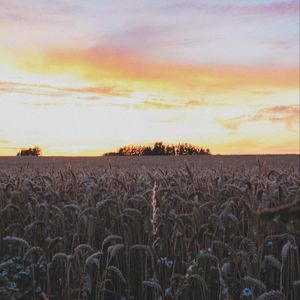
x,y
163,104
4,141
263,92
52,91
273,8
101,90
282,113
168,120
248,7
44,104
118,67
288,114
39,12
6,145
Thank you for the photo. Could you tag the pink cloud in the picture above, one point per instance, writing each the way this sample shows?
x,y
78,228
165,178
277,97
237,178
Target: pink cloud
x,y
288,114
49,90
282,113
275,8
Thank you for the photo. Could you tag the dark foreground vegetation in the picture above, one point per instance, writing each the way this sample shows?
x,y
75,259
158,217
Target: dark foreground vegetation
x,y
159,148
120,233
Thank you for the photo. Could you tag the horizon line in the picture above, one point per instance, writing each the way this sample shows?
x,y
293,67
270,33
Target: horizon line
x,y
102,155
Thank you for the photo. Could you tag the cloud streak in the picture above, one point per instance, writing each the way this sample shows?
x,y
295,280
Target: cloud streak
x,y
163,105
274,8
288,114
4,141
132,71
52,91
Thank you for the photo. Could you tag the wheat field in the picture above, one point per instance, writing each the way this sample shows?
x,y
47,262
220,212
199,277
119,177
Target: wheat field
x,y
151,228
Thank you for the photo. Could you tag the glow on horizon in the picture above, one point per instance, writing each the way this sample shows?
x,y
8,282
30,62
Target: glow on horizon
x,y
84,77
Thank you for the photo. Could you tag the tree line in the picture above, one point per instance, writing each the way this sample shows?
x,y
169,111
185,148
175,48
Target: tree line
x,y
35,151
159,148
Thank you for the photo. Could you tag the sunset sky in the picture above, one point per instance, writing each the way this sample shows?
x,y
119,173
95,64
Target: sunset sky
x,y
86,77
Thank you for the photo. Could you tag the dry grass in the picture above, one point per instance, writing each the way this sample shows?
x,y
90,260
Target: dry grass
x,y
150,228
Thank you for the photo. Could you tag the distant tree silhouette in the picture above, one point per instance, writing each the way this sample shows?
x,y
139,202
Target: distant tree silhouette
x,y
35,151
147,151
159,148
170,150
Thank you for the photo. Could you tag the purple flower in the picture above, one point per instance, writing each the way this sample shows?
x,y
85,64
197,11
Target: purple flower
x,y
225,292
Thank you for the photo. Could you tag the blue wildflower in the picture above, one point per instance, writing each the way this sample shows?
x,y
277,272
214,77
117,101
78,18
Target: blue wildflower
x,y
169,263
247,292
161,259
168,291
16,276
209,250
28,271
269,242
4,273
16,258
14,285
38,289
41,267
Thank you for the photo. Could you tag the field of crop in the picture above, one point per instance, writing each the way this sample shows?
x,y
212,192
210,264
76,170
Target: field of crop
x,y
150,228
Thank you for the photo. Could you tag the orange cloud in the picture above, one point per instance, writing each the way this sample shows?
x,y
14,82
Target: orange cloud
x,y
132,71
49,90
281,113
288,114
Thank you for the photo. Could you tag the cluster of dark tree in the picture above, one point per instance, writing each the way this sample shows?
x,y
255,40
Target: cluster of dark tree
x,y
35,151
160,148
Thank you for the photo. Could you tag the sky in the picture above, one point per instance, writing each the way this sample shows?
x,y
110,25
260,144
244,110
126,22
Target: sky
x,y
87,77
